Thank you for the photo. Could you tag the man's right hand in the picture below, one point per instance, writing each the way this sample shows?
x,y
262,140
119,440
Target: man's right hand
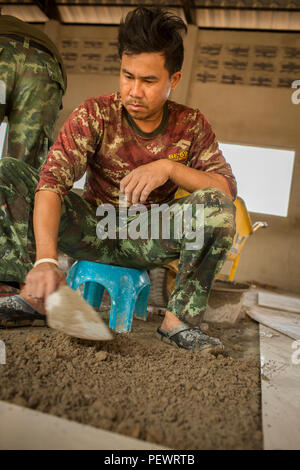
x,y
41,281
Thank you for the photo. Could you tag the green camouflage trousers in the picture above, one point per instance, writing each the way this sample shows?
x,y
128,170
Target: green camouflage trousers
x,y
31,89
79,237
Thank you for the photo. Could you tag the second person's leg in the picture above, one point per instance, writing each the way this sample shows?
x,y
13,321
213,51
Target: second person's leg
x,y
35,102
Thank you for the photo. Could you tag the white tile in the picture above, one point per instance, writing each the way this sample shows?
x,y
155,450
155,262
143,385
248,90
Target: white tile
x,y
25,429
288,303
280,385
284,322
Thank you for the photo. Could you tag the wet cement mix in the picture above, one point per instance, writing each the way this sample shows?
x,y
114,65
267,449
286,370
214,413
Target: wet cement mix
x,y
141,387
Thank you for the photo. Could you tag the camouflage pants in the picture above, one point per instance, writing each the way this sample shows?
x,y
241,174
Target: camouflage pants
x,y
31,89
79,238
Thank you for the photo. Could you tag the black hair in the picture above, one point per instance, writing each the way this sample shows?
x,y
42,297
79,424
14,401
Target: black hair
x,y
152,29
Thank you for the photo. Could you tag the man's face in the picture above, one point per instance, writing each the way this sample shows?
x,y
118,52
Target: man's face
x,y
145,84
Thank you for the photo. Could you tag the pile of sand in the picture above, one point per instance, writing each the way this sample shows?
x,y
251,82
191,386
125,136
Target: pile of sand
x,y
138,386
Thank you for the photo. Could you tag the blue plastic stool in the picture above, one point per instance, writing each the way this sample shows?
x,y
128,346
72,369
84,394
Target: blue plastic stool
x,y
128,289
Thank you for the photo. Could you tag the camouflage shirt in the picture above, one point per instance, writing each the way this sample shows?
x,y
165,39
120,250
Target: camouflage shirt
x,y
11,25
101,138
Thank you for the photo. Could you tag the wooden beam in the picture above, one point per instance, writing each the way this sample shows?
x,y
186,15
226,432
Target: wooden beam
x,y
189,11
49,8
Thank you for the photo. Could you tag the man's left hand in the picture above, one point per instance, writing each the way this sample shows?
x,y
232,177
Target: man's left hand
x,y
141,181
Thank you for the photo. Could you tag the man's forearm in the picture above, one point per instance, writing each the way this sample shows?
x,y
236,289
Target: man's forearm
x,y
46,218
191,180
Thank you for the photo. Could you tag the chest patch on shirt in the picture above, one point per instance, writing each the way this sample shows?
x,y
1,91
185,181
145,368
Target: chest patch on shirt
x,y
177,157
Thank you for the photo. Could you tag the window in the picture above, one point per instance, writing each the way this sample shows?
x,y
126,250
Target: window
x,y
80,183
264,176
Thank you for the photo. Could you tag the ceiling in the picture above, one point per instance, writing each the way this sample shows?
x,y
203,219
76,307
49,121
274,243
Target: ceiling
x,y
279,15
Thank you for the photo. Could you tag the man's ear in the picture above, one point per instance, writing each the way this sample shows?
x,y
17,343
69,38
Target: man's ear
x,y
175,79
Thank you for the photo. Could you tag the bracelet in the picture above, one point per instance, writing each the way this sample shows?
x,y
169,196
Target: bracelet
x,y
45,260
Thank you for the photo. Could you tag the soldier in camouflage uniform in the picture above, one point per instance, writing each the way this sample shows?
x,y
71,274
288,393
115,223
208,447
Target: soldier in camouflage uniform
x,y
136,143
32,81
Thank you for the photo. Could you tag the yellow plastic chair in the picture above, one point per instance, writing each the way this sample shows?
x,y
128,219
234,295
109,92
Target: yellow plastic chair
x,y
244,228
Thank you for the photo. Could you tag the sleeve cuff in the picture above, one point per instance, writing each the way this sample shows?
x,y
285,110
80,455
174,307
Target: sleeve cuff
x,y
44,188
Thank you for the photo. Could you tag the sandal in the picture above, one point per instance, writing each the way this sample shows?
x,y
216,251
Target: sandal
x,y
15,311
190,337
6,290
